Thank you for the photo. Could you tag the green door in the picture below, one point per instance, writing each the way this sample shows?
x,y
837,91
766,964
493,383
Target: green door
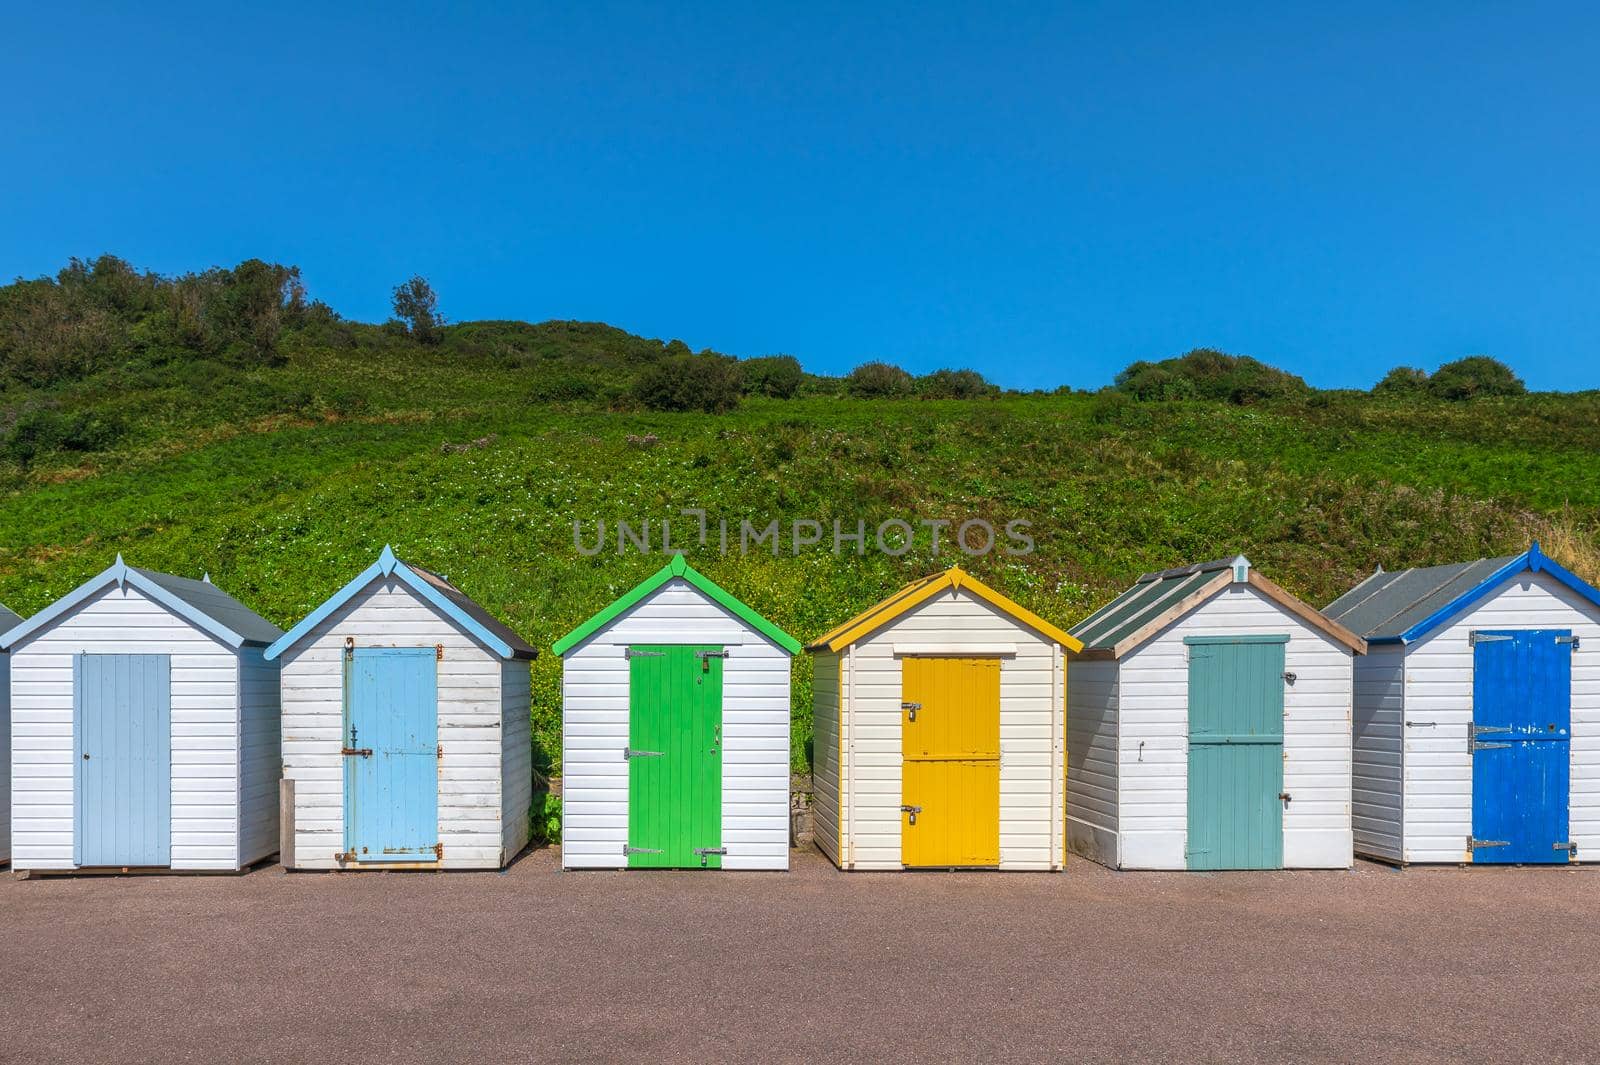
x,y
1235,752
674,757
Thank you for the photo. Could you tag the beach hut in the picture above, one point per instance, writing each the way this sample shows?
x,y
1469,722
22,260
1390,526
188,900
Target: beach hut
x,y
8,619
1477,713
675,731
406,737
1209,726
938,732
144,728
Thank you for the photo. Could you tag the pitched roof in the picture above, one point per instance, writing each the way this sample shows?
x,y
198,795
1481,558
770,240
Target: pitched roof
x,y
1156,600
446,597
677,569
200,602
1405,605
8,618
920,591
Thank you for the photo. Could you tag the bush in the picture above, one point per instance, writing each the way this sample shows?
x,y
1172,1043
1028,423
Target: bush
x,y
955,384
1402,380
878,380
562,387
1111,407
1205,373
44,430
705,382
1474,376
778,376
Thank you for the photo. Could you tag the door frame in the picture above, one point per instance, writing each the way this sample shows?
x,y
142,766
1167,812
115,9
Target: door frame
x,y
347,763
164,728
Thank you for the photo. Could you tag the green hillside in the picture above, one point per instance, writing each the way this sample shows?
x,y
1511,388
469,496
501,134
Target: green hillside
x,y
283,466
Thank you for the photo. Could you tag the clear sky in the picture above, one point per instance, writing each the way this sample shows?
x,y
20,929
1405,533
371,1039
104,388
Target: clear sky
x,y
1042,192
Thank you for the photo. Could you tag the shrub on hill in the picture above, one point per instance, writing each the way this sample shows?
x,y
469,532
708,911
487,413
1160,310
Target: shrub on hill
x,y
878,380
778,376
706,382
1402,381
44,430
1205,373
955,384
1474,376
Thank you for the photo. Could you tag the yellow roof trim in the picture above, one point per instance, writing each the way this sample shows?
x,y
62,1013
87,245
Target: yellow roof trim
x,y
919,592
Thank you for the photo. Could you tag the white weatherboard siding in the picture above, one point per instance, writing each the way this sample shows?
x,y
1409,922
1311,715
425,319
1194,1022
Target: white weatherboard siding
x,y
1092,760
1031,731
5,756
516,764
1154,736
205,730
755,732
1438,689
1378,729
260,755
825,754
388,614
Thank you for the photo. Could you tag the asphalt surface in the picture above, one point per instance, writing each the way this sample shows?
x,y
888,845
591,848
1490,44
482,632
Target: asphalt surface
x,y
1372,965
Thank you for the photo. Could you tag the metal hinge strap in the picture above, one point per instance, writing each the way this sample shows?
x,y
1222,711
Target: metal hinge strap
x,y
1473,844
640,850
711,654
633,652
629,752
1573,640
1485,637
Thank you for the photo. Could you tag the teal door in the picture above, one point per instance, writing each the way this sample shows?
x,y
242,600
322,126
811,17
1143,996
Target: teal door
x,y
674,756
122,760
1235,752
391,755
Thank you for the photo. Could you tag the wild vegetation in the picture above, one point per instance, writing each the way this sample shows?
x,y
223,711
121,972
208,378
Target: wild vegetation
x,y
225,422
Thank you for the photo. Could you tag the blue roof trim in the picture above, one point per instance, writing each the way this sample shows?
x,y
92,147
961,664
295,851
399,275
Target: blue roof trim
x,y
1532,560
386,566
120,574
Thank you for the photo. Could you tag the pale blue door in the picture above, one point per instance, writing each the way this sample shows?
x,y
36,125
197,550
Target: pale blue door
x,y
391,775
122,760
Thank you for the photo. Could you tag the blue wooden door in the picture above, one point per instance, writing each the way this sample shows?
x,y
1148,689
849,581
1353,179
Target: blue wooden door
x,y
1235,752
122,757
391,776
1521,745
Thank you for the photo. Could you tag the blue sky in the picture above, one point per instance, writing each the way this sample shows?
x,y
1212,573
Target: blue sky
x,y
1042,192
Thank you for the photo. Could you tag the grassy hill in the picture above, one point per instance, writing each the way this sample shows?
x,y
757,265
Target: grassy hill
x,y
284,477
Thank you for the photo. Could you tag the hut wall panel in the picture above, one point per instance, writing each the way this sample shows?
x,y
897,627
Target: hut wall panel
x,y
1438,765
260,737
825,810
1379,729
1092,760
1154,754
516,754
205,738
388,614
755,732
5,757
1027,764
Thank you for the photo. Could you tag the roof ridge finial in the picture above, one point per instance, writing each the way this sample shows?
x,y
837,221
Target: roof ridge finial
x,y
387,560
205,578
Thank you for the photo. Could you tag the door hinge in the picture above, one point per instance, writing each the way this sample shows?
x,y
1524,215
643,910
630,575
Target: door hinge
x,y
438,852
911,709
633,652
1474,731
626,849
1473,844
438,752
1573,640
913,811
1570,848
1476,638
703,851
349,752
438,652
629,752
712,654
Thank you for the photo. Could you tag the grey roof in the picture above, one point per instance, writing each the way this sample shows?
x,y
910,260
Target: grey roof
x,y
1151,596
215,604
520,647
8,617
1386,605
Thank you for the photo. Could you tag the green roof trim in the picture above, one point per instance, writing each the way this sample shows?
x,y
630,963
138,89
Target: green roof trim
x,y
675,570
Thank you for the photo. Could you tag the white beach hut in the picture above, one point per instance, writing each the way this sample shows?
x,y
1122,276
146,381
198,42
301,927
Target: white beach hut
x,y
939,728
675,731
1209,726
144,728
1477,713
406,737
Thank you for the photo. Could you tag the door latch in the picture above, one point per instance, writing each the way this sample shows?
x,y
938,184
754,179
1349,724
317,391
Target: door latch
x,y
716,740
1290,677
629,752
911,709
1573,640
358,752
913,811
1285,796
1570,848
703,851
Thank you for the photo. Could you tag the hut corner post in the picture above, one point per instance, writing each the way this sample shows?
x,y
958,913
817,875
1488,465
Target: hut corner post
x,y
286,823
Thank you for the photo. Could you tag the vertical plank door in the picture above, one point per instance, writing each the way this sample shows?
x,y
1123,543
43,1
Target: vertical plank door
x,y
391,754
674,757
950,762
122,740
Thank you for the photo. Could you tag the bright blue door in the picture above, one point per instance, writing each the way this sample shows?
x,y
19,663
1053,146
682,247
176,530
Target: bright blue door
x,y
122,757
391,774
1521,745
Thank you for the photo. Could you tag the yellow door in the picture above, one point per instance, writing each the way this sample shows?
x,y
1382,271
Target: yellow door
x,y
950,776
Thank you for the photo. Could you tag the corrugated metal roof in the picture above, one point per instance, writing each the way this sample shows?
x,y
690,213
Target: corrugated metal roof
x,y
1387,605
215,604
1152,595
473,610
